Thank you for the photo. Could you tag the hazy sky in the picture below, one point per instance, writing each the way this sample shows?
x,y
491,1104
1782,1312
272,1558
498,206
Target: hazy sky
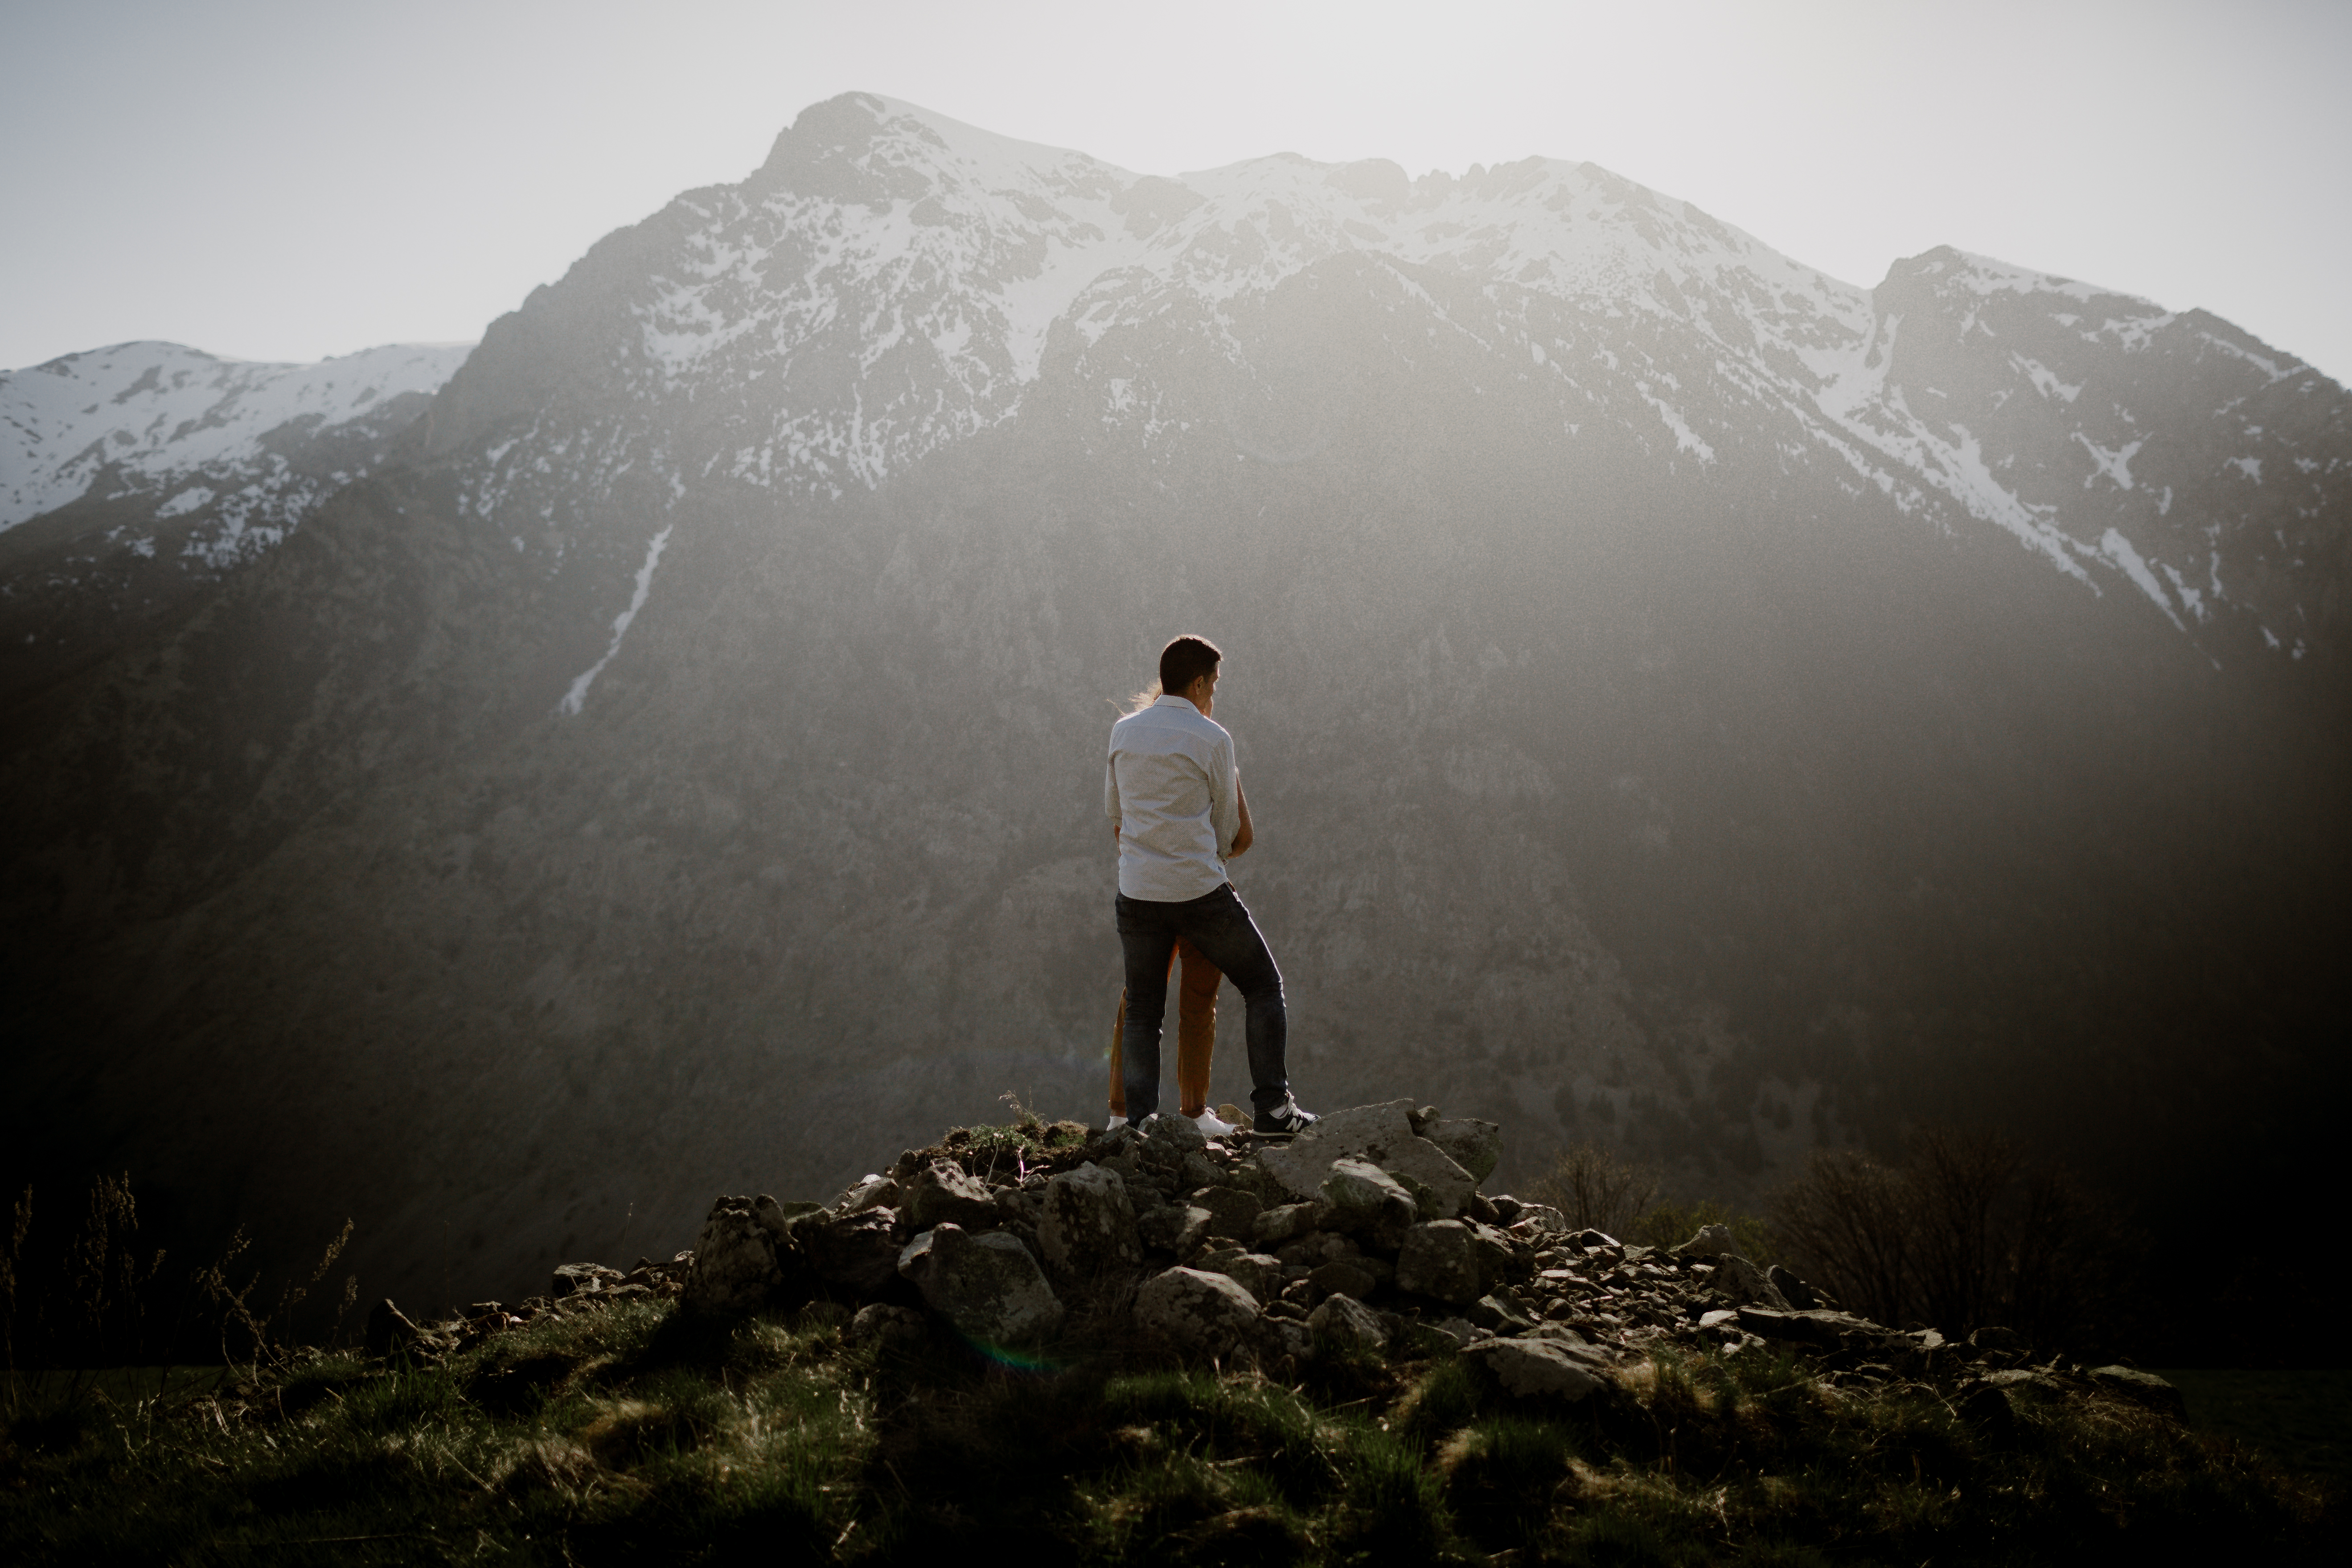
x,y
276,179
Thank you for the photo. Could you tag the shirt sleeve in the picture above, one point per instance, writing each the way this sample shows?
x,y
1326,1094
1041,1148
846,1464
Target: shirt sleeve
x,y
1224,796
1110,788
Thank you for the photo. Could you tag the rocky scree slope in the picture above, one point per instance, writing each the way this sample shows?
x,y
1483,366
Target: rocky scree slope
x,y
1661,730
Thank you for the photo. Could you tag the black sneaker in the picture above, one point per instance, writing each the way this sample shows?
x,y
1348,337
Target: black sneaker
x,y
1283,1120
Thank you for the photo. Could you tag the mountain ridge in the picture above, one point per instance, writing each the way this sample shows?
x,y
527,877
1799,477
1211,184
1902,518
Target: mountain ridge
x,y
676,760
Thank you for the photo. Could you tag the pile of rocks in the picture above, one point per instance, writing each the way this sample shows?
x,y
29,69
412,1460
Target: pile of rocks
x,y
577,1288
1366,1235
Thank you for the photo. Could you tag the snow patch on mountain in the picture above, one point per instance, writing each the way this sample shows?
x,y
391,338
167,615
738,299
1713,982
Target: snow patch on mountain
x,y
153,412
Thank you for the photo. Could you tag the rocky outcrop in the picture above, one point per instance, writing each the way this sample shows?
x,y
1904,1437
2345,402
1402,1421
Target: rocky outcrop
x,y
1157,1237
735,1267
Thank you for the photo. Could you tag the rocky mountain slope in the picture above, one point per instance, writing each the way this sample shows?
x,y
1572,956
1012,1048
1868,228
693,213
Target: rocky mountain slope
x,y
1686,701
134,479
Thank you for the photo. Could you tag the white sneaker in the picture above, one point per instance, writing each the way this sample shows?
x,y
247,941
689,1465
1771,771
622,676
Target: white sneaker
x,y
1212,1125
1115,1123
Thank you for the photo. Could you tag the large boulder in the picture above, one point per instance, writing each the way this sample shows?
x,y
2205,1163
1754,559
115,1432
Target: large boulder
x,y
1254,1272
1543,1368
1794,1290
2141,1388
1473,1145
943,1192
1232,1213
1453,1260
734,1268
1380,1134
1364,1198
1344,1323
853,1253
987,1286
1086,1223
1742,1283
1196,1310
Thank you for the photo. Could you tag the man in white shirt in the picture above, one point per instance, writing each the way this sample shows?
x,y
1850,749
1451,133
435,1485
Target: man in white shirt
x,y
1174,800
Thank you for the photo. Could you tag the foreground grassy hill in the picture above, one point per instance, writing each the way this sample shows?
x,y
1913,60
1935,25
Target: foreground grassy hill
x,y
636,1433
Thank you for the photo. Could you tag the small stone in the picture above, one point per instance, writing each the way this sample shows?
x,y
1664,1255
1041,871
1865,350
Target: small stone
x,y
1461,1330
1501,1312
1254,1272
943,1192
1195,1310
581,1279
1542,1368
1173,1133
1540,1222
1344,1323
1087,1224
988,1286
1797,1328
2142,1387
1277,1228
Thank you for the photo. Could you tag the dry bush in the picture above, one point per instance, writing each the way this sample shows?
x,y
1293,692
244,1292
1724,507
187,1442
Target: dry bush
x,y
93,1296
1597,1189
1965,1232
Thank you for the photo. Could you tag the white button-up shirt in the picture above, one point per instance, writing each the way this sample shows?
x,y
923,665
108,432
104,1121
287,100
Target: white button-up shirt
x,y
1171,787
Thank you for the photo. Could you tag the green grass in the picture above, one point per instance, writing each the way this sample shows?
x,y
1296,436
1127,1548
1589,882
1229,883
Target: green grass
x,y
629,1436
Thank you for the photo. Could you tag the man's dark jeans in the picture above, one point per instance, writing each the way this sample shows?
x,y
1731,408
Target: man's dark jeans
x,y
1220,926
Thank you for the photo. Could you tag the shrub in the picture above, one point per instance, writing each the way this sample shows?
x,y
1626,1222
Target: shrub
x,y
1597,1189
1965,1233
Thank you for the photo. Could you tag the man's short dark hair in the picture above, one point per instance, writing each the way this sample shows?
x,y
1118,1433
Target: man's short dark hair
x,y
1184,661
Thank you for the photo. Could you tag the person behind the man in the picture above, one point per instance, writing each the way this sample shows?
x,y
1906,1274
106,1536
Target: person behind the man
x,y
1174,800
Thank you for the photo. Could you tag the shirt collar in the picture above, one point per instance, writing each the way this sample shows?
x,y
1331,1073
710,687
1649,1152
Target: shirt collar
x,y
1183,702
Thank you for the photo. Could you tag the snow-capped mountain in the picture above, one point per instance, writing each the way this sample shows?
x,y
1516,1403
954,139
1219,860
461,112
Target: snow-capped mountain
x,y
1687,700
192,433
134,476
891,281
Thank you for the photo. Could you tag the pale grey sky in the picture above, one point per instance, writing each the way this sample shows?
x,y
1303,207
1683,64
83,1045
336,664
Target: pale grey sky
x,y
288,179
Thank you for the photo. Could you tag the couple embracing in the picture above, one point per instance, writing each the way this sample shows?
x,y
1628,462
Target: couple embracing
x,y
1175,798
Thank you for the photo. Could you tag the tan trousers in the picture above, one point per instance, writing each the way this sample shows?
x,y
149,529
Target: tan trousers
x,y
1196,1032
